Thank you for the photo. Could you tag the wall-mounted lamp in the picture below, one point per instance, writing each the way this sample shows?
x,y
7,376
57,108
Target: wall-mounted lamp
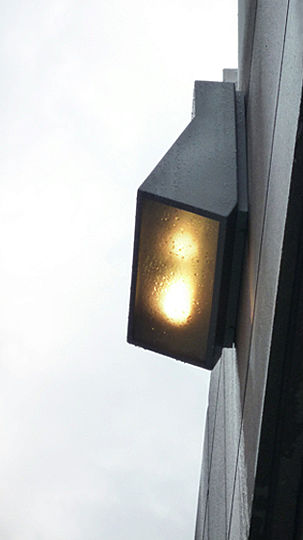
x,y
190,233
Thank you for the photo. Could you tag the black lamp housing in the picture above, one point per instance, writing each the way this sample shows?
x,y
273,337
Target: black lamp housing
x,y
190,233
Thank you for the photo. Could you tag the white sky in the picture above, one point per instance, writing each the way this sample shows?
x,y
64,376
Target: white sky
x,y
99,440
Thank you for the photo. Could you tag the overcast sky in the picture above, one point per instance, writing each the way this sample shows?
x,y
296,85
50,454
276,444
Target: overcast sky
x,y
99,440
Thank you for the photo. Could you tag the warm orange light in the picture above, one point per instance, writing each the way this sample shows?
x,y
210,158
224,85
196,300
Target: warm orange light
x,y
176,301
175,279
183,245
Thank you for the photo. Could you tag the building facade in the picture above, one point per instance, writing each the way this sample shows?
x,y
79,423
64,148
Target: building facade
x,y
252,470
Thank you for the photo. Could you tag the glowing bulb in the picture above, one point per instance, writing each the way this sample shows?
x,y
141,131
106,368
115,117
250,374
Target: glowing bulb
x,y
176,301
183,245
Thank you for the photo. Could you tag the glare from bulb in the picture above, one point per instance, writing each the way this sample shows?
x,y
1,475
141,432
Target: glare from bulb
x,y
176,301
183,245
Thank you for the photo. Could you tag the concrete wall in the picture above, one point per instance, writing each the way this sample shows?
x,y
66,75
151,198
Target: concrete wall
x,y
270,73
